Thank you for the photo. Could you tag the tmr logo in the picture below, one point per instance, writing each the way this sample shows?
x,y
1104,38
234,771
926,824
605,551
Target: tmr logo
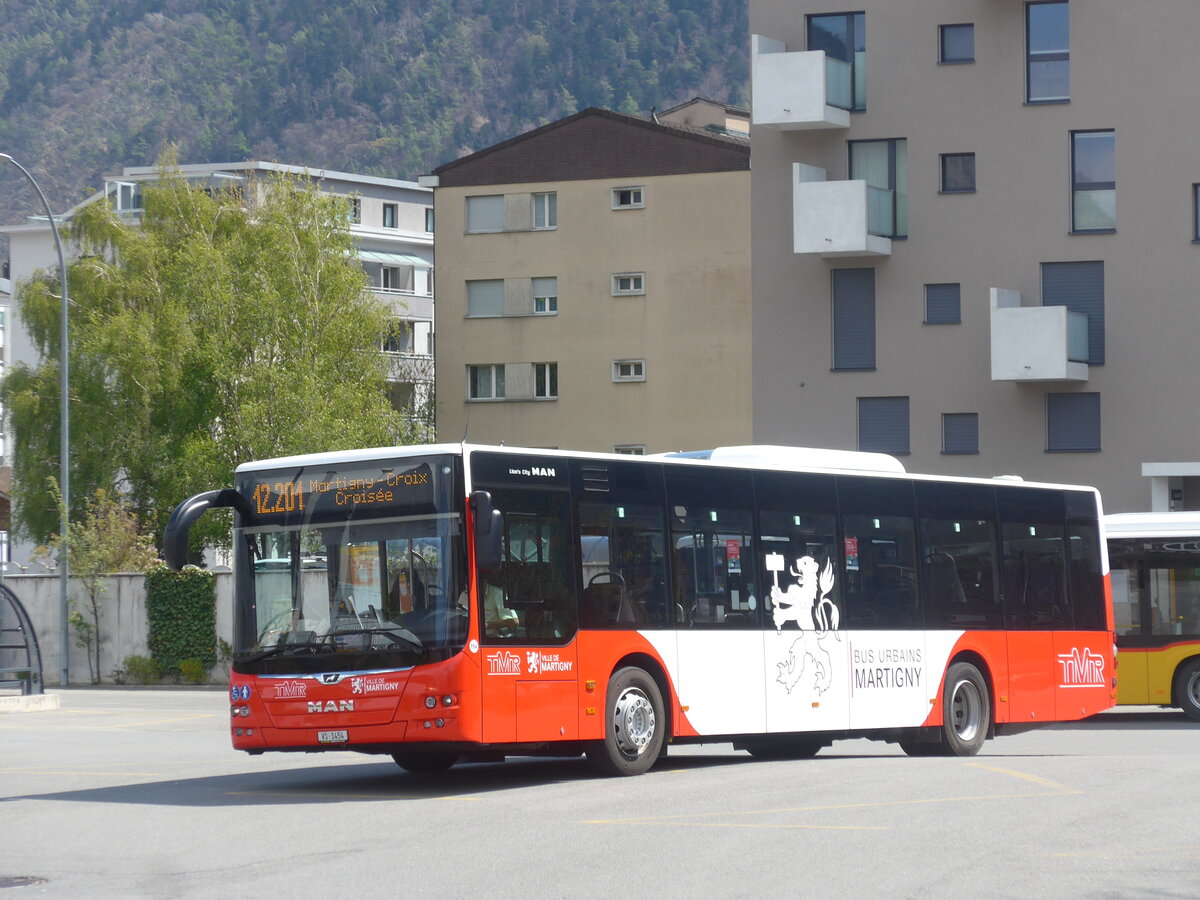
x,y
316,706
504,663
1081,668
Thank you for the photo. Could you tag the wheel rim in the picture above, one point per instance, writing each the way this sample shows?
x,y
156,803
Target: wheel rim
x,y
966,710
1192,689
634,722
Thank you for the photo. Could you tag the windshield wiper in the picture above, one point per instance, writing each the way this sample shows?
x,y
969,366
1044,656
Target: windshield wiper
x,y
395,634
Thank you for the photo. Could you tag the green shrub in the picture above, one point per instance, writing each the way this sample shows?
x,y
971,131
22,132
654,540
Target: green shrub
x,y
142,669
181,618
193,671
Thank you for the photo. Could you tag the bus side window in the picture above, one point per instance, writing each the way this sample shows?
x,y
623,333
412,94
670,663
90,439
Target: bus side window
x,y
1034,563
1126,574
958,556
528,599
879,528
623,566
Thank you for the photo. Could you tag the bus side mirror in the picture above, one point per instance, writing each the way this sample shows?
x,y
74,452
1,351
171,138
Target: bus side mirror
x,y
175,535
489,526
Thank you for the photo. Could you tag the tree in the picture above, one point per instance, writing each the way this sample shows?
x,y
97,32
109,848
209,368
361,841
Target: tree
x,y
225,325
104,541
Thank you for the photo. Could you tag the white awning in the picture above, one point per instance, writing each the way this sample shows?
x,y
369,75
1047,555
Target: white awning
x,y
395,259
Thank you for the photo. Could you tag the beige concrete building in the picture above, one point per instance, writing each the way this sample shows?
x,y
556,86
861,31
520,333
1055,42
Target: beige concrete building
x,y
593,288
975,238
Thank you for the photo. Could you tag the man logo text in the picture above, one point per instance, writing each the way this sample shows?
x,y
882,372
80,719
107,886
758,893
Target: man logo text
x,y
331,706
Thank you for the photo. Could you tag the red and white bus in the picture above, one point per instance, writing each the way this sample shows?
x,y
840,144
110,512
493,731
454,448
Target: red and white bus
x,y
1156,603
451,602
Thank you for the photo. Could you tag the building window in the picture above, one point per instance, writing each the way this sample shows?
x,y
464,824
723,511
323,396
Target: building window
x,y
545,381
1196,212
853,319
1048,55
628,283
627,198
394,279
429,219
485,299
1073,423
389,215
1093,181
956,44
843,36
545,296
629,370
943,304
485,382
960,433
545,210
883,425
485,214
630,449
1079,286
398,338
354,210
883,165
958,173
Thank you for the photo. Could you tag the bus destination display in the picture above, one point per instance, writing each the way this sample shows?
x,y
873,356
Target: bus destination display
x,y
309,494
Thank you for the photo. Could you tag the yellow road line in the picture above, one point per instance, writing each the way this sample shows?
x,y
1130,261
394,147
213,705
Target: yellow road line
x,y
1036,779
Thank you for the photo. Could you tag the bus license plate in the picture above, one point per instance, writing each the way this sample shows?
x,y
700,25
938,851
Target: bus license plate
x,y
333,737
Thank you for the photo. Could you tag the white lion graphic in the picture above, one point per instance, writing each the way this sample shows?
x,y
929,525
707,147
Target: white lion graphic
x,y
809,595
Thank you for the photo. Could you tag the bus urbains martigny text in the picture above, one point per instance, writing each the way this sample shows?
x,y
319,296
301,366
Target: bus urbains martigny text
x,y
464,602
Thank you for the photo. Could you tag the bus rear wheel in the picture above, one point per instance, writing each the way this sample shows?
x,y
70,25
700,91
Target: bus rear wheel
x,y
1187,689
966,711
635,725
425,763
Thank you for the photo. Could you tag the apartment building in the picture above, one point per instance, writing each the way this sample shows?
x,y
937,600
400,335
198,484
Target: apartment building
x,y
594,287
392,225
976,238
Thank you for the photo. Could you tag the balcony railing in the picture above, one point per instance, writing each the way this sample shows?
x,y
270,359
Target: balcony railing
x,y
1036,343
839,218
798,90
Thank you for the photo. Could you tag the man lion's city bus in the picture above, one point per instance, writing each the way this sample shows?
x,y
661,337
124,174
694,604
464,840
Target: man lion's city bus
x,y
1156,602
463,602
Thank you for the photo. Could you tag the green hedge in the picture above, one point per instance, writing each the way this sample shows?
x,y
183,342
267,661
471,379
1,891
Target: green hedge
x,y
181,616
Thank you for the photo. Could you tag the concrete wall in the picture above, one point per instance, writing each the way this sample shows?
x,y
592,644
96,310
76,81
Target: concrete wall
x,y
122,621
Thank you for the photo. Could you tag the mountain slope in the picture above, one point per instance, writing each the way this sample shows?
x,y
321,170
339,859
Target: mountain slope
x,y
383,87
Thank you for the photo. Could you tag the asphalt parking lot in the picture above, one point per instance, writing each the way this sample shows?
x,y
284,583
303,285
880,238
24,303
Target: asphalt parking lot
x,y
136,793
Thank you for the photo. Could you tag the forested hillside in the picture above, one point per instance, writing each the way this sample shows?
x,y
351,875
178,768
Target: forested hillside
x,y
383,87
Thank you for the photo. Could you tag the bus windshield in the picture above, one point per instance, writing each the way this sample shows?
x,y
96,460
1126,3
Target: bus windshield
x,y
378,587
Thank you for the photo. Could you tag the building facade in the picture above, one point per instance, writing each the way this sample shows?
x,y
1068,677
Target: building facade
x,y
594,288
975,238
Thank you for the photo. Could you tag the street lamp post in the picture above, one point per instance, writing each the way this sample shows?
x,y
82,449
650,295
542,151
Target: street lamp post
x,y
64,440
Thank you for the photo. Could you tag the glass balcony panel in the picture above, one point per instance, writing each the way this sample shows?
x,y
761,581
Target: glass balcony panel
x,y
880,212
1077,337
837,83
1095,210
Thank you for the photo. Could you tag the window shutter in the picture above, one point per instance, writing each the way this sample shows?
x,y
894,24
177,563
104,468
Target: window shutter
x,y
883,424
1079,286
943,304
1073,422
854,318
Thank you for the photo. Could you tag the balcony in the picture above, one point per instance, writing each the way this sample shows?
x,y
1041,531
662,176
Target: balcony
x,y
798,91
1036,343
839,218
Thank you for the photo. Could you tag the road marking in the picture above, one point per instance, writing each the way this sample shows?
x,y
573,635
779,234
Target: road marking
x,y
1025,776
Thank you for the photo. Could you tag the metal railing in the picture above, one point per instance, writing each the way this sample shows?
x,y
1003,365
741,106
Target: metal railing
x,y
20,658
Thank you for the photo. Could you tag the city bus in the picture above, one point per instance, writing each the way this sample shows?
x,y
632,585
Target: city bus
x,y
465,602
1156,605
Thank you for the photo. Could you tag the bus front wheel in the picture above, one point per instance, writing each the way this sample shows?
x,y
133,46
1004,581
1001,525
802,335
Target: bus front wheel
x,y
1187,689
966,710
635,725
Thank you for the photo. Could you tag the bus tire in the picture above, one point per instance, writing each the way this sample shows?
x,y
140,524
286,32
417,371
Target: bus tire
x,y
1187,689
635,725
425,763
966,710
